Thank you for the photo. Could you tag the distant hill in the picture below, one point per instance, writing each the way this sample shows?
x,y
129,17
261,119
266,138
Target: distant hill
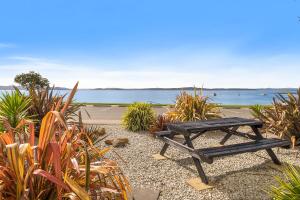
x,y
192,88
11,87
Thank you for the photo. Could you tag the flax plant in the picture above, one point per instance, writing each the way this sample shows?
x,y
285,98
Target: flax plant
x,y
57,165
283,117
193,107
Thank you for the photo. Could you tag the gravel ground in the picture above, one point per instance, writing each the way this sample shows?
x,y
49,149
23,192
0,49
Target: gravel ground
x,y
244,176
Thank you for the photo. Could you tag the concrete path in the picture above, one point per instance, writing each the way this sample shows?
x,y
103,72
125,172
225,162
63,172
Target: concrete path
x,y
113,114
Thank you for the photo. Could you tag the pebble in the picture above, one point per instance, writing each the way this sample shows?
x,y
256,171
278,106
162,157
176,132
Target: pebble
x,y
245,176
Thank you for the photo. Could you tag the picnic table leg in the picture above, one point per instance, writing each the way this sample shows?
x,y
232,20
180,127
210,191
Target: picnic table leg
x,y
166,146
227,136
269,151
196,161
195,136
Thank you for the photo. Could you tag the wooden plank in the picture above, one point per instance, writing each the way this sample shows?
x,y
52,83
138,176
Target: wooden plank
x,y
245,144
215,124
163,133
241,134
242,148
186,149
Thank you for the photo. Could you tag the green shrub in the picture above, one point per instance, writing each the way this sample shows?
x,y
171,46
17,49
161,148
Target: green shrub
x,y
288,189
14,107
193,107
138,117
256,110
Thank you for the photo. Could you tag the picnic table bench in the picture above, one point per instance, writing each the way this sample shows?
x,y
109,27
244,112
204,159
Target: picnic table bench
x,y
192,130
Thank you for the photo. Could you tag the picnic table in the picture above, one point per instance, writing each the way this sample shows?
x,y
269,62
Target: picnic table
x,y
192,130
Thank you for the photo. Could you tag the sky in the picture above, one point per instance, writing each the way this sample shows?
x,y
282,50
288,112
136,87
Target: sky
x,y
152,43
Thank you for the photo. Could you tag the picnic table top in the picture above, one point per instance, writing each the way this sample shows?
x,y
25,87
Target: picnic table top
x,y
213,124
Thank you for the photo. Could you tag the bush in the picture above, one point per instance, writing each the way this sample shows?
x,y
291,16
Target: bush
x,y
193,107
43,100
159,124
283,117
14,107
256,110
288,189
59,165
138,117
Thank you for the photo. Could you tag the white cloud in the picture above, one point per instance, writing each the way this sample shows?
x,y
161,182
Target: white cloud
x,y
211,69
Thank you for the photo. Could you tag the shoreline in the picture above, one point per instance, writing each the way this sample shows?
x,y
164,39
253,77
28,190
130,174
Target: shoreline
x,y
113,114
225,106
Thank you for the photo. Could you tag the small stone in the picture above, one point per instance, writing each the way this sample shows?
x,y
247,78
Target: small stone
x,y
117,142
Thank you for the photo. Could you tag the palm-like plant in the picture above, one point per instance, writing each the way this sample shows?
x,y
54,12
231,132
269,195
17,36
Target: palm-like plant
x,y
283,117
44,100
193,107
59,166
288,189
159,124
14,107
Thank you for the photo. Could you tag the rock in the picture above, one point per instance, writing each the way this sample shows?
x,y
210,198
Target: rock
x,y
117,142
145,194
108,142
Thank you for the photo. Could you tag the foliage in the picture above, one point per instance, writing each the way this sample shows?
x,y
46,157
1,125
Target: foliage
x,y
256,110
95,133
283,117
138,117
44,100
31,80
193,107
59,166
14,107
159,124
288,189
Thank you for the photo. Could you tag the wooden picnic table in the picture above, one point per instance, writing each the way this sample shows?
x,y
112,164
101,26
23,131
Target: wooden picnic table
x,y
194,129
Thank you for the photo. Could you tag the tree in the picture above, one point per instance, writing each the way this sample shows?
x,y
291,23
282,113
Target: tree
x,y
32,80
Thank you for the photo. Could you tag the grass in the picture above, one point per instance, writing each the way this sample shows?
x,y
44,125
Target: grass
x,y
233,106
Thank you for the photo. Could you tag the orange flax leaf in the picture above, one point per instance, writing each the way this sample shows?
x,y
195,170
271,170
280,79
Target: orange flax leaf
x,y
16,165
58,104
69,100
60,118
6,138
28,177
23,122
79,191
51,178
31,134
57,165
47,130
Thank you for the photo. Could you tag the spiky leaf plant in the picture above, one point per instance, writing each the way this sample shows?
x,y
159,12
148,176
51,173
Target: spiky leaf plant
x,y
159,124
289,188
94,133
44,100
14,107
59,165
283,117
256,110
193,107
138,117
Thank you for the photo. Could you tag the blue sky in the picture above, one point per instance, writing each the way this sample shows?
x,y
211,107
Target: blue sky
x,y
153,43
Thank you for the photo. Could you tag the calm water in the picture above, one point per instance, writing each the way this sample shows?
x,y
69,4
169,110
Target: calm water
x,y
241,97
